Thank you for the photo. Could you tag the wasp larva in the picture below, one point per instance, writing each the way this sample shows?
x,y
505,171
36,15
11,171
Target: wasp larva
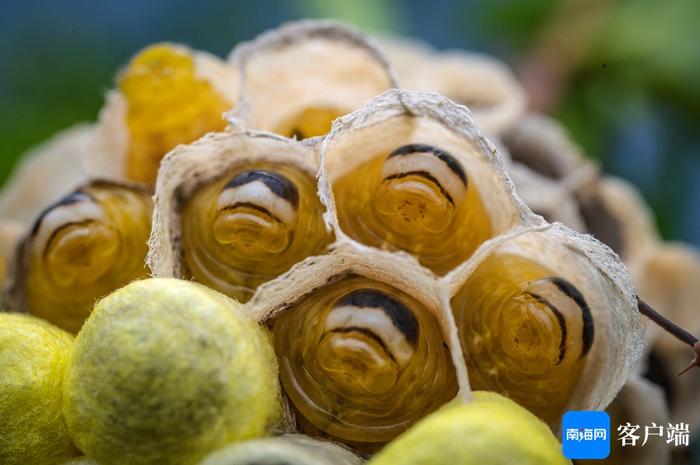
x,y
251,226
418,198
361,361
86,245
525,332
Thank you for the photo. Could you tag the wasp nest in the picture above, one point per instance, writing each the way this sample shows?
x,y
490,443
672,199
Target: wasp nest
x,y
375,231
391,312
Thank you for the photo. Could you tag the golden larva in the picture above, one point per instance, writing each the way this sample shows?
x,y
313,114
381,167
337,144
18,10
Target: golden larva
x,y
86,245
525,332
418,198
251,226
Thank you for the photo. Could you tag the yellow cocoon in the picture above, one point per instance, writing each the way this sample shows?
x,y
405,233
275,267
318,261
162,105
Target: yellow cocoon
x,y
165,371
490,430
33,359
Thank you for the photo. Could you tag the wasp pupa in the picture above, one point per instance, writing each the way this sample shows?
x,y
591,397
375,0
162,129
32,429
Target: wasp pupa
x,y
45,173
363,342
235,210
548,318
88,244
291,449
166,95
410,172
482,83
295,80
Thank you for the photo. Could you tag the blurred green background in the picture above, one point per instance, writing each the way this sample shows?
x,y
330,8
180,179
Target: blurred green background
x,y
624,76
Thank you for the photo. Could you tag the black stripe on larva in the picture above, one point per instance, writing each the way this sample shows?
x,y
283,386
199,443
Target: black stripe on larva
x,y
560,319
367,332
70,199
449,160
402,318
256,207
426,175
588,329
278,184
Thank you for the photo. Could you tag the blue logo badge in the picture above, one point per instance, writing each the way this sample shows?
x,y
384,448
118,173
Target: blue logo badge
x,y
586,435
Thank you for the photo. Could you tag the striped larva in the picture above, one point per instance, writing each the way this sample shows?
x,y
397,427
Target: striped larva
x,y
81,248
242,210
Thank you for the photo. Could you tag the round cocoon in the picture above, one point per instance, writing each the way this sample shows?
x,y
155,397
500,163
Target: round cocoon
x,y
33,359
491,429
165,371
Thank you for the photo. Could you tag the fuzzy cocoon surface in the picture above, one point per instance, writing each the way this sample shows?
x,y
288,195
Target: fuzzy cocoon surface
x,y
491,429
165,371
33,359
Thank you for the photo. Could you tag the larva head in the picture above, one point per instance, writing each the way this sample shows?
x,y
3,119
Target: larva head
x,y
76,240
362,345
367,338
242,208
355,357
300,77
420,190
527,336
169,101
534,317
404,176
87,244
257,212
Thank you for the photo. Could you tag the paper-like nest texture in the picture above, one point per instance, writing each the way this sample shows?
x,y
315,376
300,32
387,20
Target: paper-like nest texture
x,y
306,64
45,173
480,82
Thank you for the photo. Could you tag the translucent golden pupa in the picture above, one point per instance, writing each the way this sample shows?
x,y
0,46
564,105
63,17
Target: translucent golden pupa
x,y
364,344
298,78
84,246
167,95
236,209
